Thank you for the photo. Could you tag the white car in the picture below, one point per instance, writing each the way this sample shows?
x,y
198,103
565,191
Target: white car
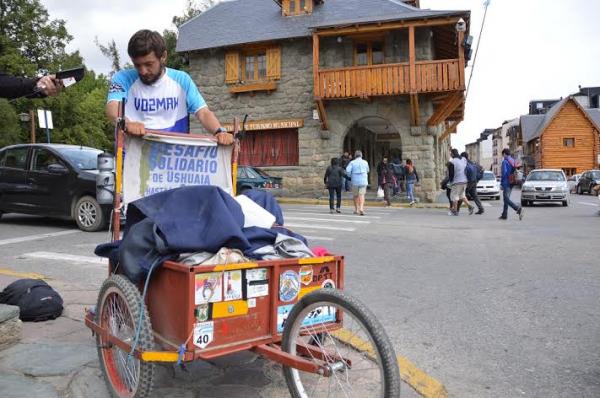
x,y
488,186
545,185
572,182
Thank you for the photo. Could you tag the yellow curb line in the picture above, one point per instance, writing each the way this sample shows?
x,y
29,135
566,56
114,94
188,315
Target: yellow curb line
x,y
420,381
31,275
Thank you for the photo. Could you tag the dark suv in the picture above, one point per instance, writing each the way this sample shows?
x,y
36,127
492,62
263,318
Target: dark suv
x,y
587,181
52,180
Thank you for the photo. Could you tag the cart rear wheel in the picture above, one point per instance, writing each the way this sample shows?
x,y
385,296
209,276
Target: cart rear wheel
x,y
118,311
372,370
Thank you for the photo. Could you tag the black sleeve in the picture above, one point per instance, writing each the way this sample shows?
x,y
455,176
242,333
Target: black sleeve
x,y
450,171
416,174
326,175
15,87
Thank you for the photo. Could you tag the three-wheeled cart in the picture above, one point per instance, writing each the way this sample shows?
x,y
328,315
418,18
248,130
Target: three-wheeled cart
x,y
292,311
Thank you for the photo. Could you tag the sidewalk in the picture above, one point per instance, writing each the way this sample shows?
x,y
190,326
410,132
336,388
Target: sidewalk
x,y
371,200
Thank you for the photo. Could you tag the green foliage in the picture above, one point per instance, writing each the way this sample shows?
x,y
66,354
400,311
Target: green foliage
x,y
111,52
10,131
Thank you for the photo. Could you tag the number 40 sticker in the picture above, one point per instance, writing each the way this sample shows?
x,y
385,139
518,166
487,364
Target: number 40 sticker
x,y
203,334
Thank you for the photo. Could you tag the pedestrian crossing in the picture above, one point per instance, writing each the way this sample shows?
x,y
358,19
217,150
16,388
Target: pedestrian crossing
x,y
315,223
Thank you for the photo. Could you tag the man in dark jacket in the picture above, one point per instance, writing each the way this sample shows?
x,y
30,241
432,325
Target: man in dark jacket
x,y
333,180
14,87
344,160
399,174
473,173
386,179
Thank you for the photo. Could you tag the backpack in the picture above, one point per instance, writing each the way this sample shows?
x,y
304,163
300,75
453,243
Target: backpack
x,y
398,169
514,177
474,172
36,300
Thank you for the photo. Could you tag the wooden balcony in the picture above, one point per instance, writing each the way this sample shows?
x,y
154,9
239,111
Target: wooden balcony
x,y
390,80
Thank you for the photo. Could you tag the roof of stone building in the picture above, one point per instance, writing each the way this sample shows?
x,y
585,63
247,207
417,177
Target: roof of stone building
x,y
249,21
532,126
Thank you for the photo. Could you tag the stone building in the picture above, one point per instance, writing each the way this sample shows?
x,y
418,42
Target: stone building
x,y
319,77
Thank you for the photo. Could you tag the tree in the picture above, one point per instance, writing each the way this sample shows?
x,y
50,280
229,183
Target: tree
x,y
111,52
11,131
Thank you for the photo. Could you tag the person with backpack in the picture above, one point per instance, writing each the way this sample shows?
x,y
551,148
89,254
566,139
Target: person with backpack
x,y
458,176
412,178
344,160
399,174
507,182
334,180
474,174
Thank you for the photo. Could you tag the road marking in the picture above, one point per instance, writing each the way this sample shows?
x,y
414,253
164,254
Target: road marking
x,y
588,204
326,220
20,275
66,257
486,205
319,227
325,214
420,381
37,237
317,237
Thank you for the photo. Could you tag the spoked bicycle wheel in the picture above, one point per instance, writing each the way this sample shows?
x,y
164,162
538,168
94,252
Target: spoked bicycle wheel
x,y
118,311
360,356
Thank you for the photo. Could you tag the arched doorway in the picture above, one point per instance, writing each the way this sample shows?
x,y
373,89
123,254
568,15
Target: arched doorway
x,y
376,137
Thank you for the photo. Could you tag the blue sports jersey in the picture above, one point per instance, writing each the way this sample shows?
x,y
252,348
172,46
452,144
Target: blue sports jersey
x,y
164,105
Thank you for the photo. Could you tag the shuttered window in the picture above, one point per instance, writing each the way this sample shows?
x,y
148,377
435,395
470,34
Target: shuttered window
x,y
253,65
296,7
270,148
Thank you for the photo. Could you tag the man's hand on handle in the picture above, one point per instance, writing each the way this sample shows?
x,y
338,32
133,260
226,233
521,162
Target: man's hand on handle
x,y
135,128
49,85
224,138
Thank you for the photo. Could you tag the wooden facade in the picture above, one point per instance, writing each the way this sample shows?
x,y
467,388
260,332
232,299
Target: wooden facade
x,y
444,78
570,141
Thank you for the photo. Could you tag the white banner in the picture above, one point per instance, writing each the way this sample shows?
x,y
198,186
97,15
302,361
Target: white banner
x,y
155,164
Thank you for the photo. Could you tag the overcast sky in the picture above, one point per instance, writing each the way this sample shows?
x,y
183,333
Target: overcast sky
x,y
530,49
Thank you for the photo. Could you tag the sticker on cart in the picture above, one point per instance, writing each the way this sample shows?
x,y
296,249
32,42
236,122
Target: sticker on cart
x,y
306,274
208,288
203,334
252,303
257,282
201,313
316,316
328,284
289,285
232,285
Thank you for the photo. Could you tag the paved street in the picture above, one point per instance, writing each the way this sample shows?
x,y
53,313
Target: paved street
x,y
489,308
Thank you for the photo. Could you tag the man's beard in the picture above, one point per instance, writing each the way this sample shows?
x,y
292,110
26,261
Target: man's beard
x,y
150,81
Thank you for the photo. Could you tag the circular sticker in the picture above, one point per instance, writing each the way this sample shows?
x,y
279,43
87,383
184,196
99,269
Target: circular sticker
x,y
328,284
289,286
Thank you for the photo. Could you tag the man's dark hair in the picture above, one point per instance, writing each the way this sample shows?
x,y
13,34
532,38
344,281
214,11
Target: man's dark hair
x,y
454,153
144,42
335,161
506,152
464,155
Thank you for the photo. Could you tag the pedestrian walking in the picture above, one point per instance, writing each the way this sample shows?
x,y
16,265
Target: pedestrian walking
x,y
358,170
457,174
474,174
344,160
508,167
334,180
386,180
399,174
412,178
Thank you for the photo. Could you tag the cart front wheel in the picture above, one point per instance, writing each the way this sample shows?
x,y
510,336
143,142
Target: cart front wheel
x,y
359,355
118,311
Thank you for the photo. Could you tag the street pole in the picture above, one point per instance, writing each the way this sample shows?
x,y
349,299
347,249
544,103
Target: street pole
x,y
32,121
47,129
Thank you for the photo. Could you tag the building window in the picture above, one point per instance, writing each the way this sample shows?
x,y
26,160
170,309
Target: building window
x,y
569,142
255,66
570,171
296,7
270,148
369,53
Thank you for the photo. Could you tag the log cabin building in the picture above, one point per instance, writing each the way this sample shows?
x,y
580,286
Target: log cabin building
x,y
320,77
566,137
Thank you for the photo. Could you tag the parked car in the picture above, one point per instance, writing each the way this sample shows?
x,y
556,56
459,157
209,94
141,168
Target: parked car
x,y
249,177
588,181
488,186
53,180
572,182
545,185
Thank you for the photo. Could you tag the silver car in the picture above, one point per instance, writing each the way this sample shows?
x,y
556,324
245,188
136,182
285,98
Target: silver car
x,y
545,185
488,186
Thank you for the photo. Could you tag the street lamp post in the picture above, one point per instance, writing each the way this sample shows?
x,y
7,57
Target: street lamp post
x,y
28,117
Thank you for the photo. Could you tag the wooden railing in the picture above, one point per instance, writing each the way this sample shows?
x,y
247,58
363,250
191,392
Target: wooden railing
x,y
389,79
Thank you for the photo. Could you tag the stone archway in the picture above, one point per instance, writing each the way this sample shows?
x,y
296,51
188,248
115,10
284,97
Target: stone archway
x,y
376,137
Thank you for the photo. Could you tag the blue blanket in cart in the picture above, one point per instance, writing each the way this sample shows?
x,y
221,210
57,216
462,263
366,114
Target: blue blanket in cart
x,y
186,220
